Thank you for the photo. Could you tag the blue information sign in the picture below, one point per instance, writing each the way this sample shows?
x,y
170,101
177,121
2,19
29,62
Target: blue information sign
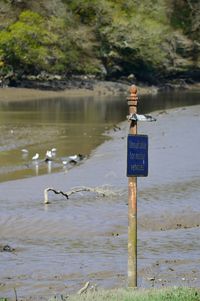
x,y
137,156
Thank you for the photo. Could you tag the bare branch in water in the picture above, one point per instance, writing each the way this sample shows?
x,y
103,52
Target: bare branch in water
x,y
46,199
68,193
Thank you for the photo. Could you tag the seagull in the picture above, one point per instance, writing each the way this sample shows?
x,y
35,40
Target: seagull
x,y
36,157
53,152
64,162
24,153
76,158
73,158
138,117
48,156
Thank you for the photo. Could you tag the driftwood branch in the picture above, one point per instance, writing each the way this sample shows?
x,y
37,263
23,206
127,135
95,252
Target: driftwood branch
x,y
68,193
46,199
89,189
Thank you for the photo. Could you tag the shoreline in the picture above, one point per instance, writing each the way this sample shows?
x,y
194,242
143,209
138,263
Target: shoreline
x,y
97,89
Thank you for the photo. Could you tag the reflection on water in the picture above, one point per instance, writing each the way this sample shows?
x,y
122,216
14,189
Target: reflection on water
x,y
167,100
72,126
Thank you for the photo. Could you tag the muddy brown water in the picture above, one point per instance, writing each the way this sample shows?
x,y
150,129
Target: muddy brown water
x,y
56,248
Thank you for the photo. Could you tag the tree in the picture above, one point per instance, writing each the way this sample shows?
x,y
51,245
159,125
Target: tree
x,y
27,43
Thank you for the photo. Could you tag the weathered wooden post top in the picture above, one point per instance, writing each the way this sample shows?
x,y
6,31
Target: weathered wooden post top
x,y
132,100
137,166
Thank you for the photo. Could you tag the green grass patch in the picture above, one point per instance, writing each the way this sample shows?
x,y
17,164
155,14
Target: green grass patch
x,y
167,294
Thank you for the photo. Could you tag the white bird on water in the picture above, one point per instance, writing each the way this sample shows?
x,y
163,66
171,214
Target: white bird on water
x,y
49,154
24,151
53,152
36,157
64,162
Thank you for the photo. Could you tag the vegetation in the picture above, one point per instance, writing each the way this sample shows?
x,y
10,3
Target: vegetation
x,y
167,294
152,39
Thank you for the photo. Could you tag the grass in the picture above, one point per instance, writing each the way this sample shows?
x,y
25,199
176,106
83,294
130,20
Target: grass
x,y
166,294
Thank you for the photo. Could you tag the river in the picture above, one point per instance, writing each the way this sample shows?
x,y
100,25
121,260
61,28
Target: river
x,y
60,246
71,125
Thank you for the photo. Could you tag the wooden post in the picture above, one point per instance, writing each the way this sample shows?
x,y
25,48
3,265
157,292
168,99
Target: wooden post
x,y
132,201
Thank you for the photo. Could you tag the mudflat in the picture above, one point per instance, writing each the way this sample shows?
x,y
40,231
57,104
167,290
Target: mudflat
x,y
100,88
56,248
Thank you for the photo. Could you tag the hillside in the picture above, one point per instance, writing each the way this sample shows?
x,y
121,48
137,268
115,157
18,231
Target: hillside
x,y
150,40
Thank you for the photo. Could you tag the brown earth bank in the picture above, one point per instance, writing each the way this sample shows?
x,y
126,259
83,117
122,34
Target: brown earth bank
x,y
59,83
37,89
91,83
94,88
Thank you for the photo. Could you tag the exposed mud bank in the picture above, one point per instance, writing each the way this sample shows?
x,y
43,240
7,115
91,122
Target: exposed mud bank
x,y
10,94
62,245
98,89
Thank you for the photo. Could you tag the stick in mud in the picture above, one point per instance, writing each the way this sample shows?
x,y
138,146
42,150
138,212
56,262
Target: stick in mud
x,y
74,190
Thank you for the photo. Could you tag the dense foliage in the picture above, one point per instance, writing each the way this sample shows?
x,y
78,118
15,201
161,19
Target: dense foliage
x,y
152,39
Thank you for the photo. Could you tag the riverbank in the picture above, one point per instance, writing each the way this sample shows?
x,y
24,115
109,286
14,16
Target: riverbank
x,y
30,90
10,94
